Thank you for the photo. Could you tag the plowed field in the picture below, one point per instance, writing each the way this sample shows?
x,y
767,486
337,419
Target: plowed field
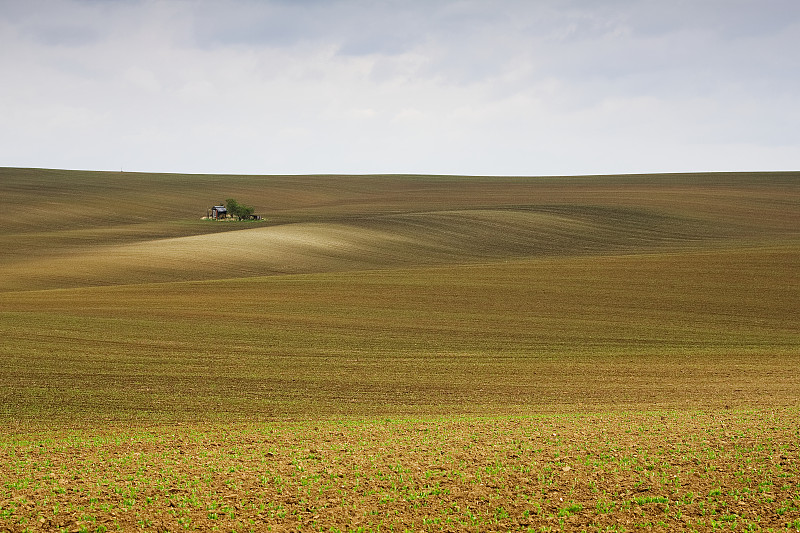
x,y
728,470
423,353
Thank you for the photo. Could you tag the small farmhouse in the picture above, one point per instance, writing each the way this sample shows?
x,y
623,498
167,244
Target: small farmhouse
x,y
232,210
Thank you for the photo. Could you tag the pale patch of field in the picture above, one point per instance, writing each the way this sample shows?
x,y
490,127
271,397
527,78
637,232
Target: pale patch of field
x,y
359,243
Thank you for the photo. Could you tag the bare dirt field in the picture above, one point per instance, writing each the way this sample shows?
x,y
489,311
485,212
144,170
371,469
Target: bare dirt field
x,y
400,353
687,470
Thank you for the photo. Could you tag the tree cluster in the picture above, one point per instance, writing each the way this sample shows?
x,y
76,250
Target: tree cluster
x,y
240,211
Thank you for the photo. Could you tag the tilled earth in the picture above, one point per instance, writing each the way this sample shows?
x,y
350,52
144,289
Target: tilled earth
x,y
675,470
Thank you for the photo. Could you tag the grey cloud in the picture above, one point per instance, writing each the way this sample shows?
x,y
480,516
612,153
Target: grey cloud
x,y
67,35
54,23
352,27
253,24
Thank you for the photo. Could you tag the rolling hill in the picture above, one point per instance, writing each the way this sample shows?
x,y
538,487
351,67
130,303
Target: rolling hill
x,y
69,229
373,295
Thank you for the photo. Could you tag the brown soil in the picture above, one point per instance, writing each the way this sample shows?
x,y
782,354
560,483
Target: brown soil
x,y
669,471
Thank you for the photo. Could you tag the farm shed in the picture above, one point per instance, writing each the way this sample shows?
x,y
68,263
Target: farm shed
x,y
219,211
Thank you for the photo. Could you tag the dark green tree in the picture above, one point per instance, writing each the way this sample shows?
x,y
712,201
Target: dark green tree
x,y
238,210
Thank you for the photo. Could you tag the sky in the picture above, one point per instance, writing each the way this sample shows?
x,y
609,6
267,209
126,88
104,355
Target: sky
x,y
478,87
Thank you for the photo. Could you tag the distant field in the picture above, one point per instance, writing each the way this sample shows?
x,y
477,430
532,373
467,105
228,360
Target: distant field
x,y
92,228
493,308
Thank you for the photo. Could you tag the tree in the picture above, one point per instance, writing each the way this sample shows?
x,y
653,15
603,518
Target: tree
x,y
238,210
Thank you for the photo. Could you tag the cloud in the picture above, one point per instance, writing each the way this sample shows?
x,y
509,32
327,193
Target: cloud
x,y
461,86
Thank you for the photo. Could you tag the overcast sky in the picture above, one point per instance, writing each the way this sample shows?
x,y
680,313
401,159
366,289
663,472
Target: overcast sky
x,y
536,87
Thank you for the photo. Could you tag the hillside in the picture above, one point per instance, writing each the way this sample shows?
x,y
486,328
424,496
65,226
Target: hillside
x,y
71,229
374,295
436,353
